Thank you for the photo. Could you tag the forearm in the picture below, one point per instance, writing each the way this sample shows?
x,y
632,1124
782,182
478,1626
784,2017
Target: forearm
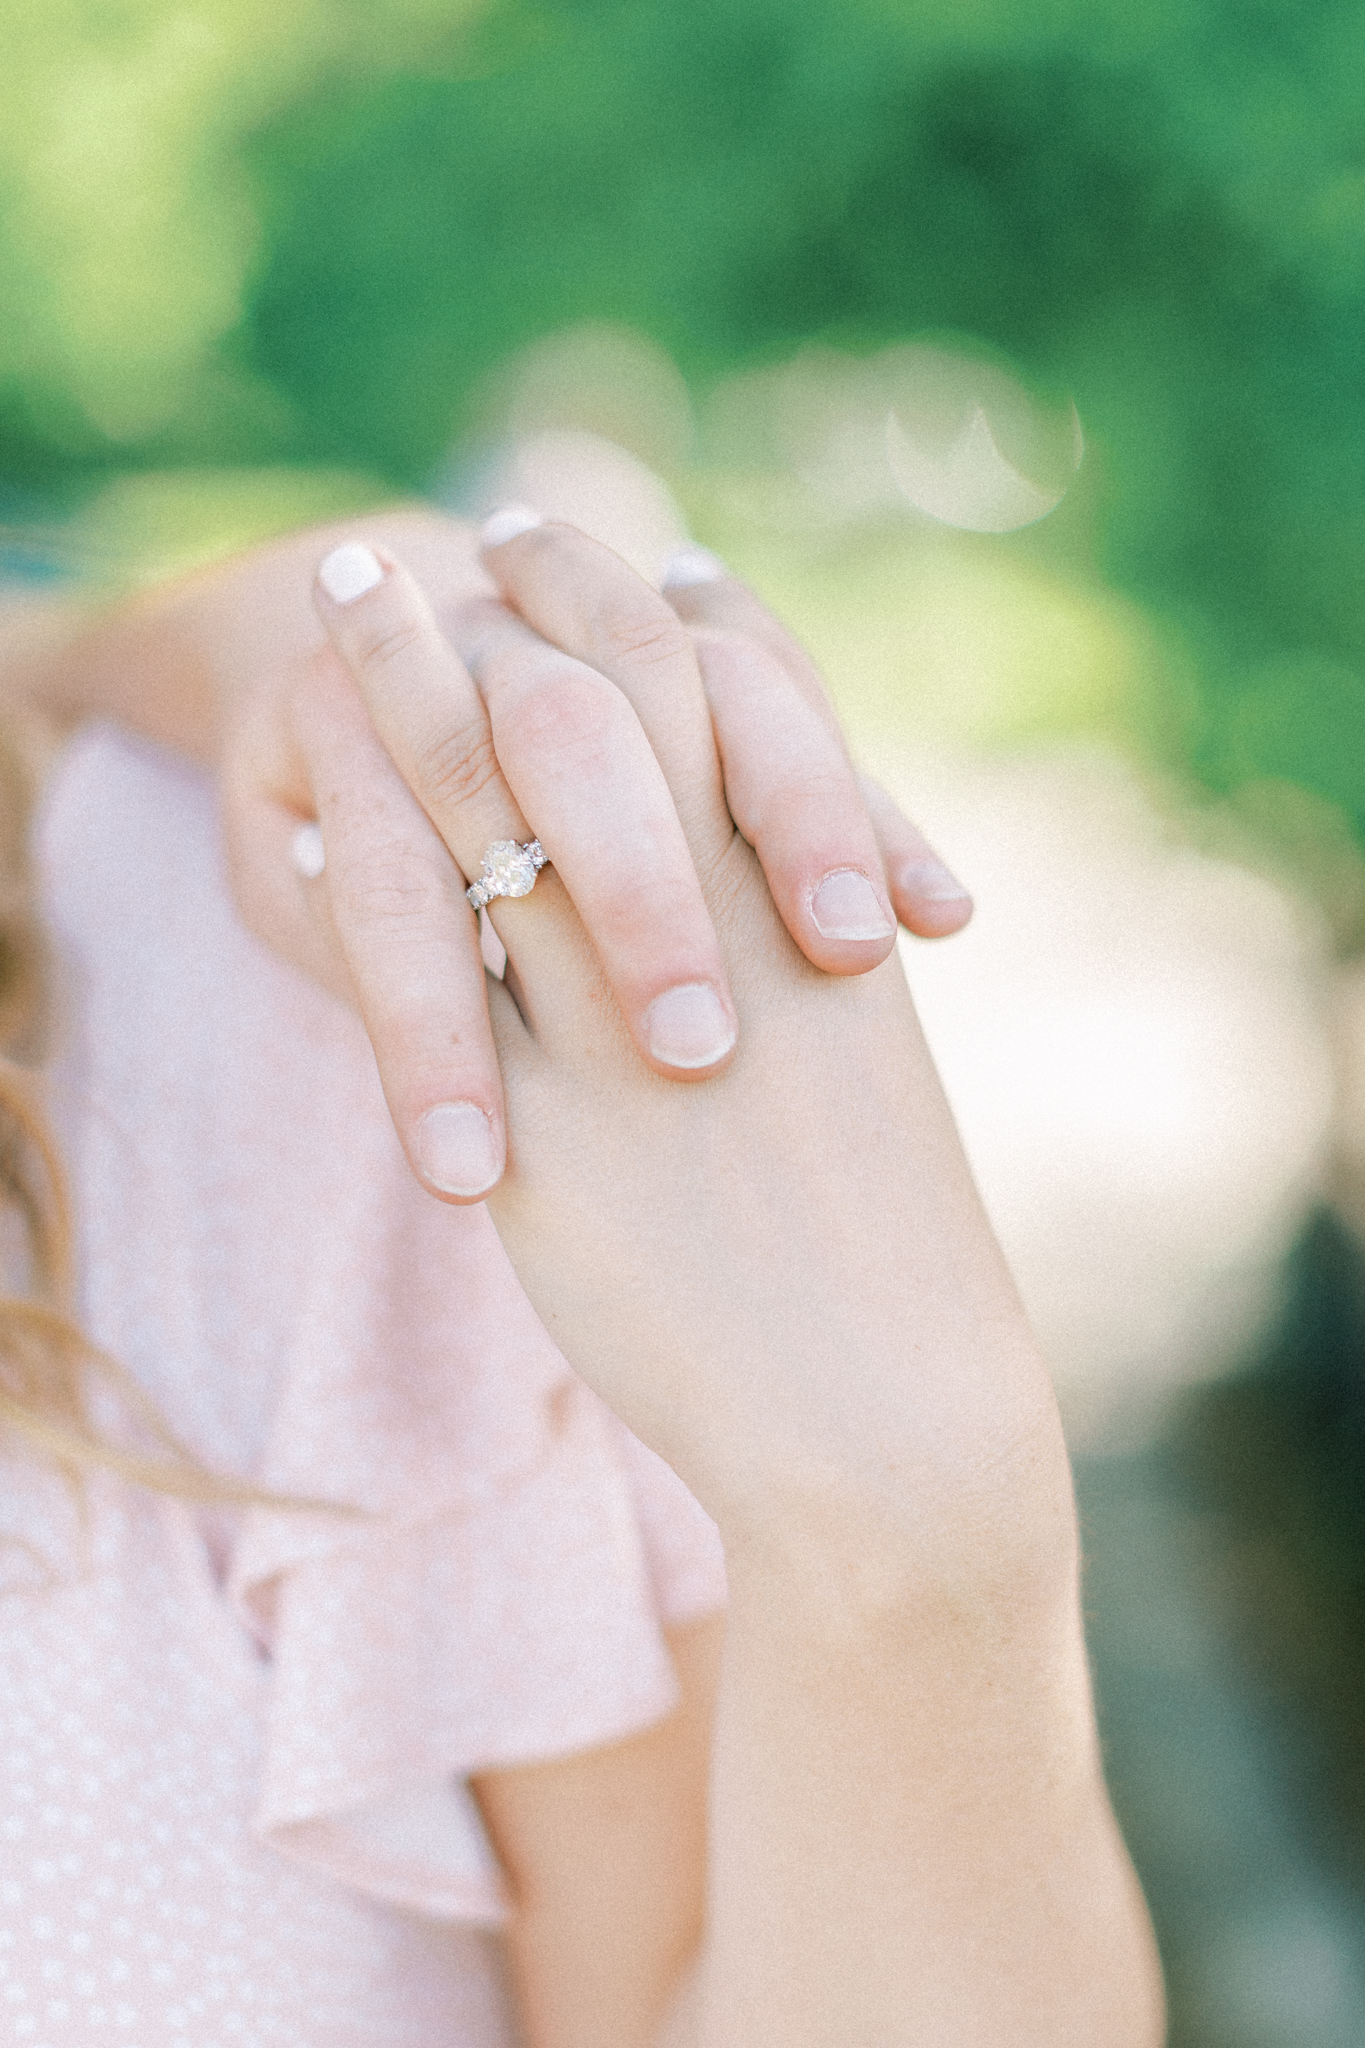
x,y
164,661
782,1280
911,1843
147,661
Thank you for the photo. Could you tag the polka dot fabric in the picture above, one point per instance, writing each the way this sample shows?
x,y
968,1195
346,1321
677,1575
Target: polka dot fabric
x,y
234,1746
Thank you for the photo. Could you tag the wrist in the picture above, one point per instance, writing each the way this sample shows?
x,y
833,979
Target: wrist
x,y
946,1503
816,1612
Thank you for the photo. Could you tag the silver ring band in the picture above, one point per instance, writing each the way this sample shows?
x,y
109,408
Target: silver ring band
x,y
509,868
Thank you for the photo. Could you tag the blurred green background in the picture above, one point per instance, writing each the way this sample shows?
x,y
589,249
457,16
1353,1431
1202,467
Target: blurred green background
x,y
250,233
265,260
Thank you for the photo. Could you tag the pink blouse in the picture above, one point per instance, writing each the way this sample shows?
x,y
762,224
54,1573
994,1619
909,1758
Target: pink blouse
x,y
234,1748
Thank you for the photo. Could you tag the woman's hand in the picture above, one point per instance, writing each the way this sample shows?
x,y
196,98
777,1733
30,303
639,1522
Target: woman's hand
x,y
782,1280
665,1234
221,665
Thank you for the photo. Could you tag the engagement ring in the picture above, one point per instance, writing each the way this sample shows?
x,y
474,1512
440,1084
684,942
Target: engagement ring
x,y
509,869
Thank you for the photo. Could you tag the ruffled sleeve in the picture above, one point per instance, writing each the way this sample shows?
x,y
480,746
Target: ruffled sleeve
x,y
494,1584
503,1600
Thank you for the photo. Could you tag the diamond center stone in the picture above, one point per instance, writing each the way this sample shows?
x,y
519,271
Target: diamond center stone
x,y
509,868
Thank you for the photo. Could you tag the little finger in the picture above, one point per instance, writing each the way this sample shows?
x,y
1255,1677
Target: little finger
x,y
930,901
794,797
928,897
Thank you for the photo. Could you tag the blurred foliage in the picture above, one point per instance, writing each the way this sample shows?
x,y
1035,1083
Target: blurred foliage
x,y
297,232
1278,1453
127,223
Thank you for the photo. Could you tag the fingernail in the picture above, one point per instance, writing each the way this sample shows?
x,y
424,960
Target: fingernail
x,y
691,565
688,1027
349,571
845,906
307,851
931,880
506,523
455,1146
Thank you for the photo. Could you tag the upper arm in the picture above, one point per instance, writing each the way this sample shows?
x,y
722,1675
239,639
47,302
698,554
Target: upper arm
x,y
605,1856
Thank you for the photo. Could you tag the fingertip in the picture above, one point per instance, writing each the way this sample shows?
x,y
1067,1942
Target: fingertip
x,y
506,524
348,572
843,923
929,899
459,1151
841,957
687,567
845,905
937,921
689,1029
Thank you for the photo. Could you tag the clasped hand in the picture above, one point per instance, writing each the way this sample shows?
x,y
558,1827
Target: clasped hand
x,y
545,700
703,1255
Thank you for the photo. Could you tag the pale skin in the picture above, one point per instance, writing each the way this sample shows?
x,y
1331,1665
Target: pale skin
x,y
783,1280
217,665
880,1817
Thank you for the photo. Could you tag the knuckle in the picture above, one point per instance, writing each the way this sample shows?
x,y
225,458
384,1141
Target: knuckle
x,y
725,874
390,887
564,713
724,643
456,767
375,654
637,630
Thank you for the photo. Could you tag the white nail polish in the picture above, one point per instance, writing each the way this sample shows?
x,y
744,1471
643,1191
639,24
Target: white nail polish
x,y
845,906
688,1027
689,565
307,851
349,571
456,1148
506,523
931,880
